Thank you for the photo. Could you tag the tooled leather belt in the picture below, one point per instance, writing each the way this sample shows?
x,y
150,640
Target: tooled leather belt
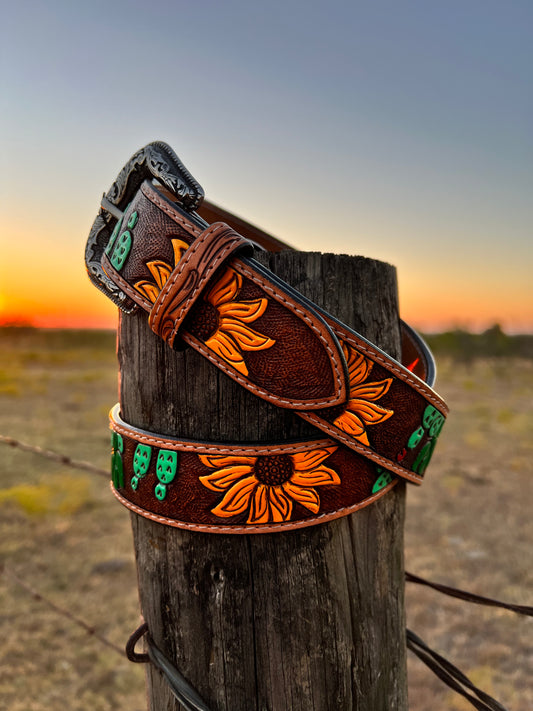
x,y
376,419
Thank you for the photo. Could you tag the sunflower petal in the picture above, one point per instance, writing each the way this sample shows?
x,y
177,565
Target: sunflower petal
x,y
259,511
315,477
369,412
303,461
247,338
180,247
224,460
160,271
246,311
225,289
146,288
359,367
237,499
280,504
352,424
370,391
222,479
303,495
224,346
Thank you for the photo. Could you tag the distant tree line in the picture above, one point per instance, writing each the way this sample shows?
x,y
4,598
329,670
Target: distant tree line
x,y
492,343
458,344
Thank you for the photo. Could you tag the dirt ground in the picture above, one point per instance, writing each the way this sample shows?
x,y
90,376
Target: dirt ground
x,y
470,526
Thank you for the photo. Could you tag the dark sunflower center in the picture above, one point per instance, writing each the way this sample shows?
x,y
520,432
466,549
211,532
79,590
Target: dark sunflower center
x,y
204,321
273,471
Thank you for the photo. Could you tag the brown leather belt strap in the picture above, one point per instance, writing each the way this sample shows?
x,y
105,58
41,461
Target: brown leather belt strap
x,y
270,339
228,488
148,249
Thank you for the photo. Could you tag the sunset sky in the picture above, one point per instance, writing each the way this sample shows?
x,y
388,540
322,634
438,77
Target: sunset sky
x,y
401,131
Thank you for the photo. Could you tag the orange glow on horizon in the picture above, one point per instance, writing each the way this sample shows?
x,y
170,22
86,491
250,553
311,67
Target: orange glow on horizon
x,y
59,321
50,314
49,288
426,316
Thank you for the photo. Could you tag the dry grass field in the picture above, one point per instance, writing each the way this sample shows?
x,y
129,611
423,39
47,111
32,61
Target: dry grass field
x,y
469,526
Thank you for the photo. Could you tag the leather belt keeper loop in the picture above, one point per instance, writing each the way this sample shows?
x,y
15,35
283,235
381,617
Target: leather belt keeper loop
x,y
185,284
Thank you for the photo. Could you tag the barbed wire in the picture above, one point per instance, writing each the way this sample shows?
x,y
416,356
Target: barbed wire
x,y
182,690
409,577
4,570
191,701
466,596
53,456
179,686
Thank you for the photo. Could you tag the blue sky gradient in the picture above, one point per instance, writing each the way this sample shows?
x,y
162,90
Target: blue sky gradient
x,y
400,131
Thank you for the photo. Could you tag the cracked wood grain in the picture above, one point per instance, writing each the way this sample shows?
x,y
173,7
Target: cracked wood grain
x,y
307,620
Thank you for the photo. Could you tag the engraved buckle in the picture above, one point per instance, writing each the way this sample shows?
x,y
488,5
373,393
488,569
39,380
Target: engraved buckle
x,y
156,160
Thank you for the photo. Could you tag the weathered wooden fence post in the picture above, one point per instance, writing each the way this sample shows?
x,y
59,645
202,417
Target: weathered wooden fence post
x,y
305,620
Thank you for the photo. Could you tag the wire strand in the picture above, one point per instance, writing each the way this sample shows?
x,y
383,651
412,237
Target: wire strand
x,y
60,610
468,596
179,686
53,456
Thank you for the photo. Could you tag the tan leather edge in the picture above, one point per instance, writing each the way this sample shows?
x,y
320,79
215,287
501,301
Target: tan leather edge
x,y
340,436
262,528
179,445
393,366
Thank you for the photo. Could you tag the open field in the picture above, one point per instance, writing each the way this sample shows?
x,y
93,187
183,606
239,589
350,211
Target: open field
x,y
469,526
